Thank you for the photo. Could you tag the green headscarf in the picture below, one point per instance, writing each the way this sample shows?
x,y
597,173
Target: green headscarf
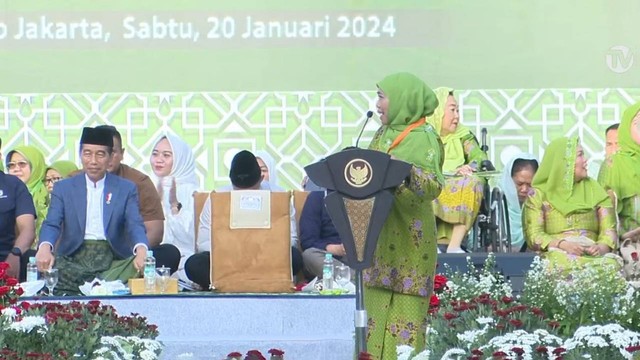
x,y
63,167
555,179
35,184
623,174
410,100
453,150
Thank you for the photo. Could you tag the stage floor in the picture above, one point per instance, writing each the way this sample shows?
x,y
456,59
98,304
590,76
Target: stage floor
x,y
209,326
305,326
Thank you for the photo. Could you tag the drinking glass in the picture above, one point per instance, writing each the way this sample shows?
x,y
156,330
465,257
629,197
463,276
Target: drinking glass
x,y
51,279
343,275
163,278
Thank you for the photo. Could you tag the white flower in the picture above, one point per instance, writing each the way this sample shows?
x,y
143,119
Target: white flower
x,y
148,355
114,348
425,355
404,352
28,323
9,312
451,354
485,320
470,336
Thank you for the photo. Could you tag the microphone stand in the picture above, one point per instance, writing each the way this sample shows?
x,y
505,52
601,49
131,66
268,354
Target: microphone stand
x,y
484,146
369,115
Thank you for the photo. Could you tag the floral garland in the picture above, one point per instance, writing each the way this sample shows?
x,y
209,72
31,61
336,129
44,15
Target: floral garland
x,y
55,331
475,316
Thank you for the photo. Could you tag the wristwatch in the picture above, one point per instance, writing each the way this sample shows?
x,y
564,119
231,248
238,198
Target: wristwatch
x,y
16,251
177,206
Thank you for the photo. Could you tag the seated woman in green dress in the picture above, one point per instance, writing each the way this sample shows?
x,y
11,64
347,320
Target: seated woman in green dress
x,y
57,171
28,164
458,205
568,216
622,173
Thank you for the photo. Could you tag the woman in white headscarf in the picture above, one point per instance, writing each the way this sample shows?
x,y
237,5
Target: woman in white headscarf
x,y
268,168
174,167
516,185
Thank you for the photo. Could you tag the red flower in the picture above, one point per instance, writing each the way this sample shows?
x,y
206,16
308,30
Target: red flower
x,y
517,350
559,351
516,322
4,290
439,282
4,265
541,349
483,299
554,324
476,352
633,348
365,356
276,352
11,281
634,256
450,316
254,355
234,355
499,354
461,307
537,311
507,299
434,301
19,291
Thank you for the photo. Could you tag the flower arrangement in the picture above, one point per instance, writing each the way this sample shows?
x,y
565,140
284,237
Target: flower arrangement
x,y
76,330
589,314
275,354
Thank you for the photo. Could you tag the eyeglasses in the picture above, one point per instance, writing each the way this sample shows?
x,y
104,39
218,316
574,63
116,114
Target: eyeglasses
x,y
52,180
21,164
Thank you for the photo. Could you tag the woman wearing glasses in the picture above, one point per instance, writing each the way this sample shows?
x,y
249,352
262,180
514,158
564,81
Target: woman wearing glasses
x,y
57,171
27,163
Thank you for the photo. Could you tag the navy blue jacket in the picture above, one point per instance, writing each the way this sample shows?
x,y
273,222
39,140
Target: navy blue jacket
x,y
316,228
67,216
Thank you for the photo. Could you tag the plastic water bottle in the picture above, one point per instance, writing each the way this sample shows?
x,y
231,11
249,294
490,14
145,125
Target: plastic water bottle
x,y
150,273
32,270
327,272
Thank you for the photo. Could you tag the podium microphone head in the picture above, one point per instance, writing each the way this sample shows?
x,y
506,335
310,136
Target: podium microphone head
x,y
369,115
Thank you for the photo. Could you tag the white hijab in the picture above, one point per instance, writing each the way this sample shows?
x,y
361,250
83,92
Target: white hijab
x,y
179,228
515,210
271,165
184,163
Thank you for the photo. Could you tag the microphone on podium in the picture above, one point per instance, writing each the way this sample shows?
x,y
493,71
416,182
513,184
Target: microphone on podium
x,y
485,165
369,116
484,146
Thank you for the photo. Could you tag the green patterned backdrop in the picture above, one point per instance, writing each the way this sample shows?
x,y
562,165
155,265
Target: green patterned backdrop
x,y
295,127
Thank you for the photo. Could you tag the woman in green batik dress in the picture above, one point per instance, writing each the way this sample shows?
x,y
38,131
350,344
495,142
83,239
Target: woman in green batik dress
x,y
399,284
622,173
569,217
458,205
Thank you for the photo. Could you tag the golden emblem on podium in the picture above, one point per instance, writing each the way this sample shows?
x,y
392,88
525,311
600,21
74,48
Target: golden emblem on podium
x,y
358,173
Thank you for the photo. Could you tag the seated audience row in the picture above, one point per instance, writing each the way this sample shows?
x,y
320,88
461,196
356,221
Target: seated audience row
x,y
563,210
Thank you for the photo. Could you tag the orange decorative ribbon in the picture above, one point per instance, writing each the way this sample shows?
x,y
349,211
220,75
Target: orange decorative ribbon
x,y
406,132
